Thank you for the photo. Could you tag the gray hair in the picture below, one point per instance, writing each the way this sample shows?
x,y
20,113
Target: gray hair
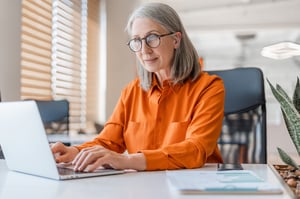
x,y
186,62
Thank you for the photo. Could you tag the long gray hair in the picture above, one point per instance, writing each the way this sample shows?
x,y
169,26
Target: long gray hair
x,y
186,62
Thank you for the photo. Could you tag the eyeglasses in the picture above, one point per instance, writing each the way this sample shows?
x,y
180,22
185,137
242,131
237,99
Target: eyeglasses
x,y
152,40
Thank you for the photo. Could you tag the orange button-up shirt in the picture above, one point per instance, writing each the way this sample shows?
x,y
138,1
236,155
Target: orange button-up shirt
x,y
174,126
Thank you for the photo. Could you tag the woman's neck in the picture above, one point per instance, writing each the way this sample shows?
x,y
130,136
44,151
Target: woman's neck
x,y
163,75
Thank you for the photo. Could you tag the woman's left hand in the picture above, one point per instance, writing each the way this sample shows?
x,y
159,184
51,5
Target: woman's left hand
x,y
91,158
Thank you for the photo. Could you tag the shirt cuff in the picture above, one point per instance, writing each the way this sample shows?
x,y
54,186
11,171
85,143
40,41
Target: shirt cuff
x,y
155,160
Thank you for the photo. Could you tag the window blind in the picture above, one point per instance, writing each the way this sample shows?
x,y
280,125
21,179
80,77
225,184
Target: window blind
x,y
36,49
54,54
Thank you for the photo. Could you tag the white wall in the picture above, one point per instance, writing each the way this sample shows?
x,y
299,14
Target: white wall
x,y
10,49
120,60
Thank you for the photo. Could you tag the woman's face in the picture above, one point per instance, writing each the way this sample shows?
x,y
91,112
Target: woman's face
x,y
157,59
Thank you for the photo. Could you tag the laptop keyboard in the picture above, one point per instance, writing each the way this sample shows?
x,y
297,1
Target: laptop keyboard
x,y
70,171
67,171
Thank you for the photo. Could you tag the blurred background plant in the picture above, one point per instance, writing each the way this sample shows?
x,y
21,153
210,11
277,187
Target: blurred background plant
x,y
290,108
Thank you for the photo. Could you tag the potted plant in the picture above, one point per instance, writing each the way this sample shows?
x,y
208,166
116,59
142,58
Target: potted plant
x,y
290,108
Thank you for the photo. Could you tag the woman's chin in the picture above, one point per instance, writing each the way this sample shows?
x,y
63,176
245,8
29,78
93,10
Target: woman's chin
x,y
151,69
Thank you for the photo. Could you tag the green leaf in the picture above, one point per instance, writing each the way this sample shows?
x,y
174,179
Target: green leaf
x,y
292,117
296,96
282,92
290,127
286,158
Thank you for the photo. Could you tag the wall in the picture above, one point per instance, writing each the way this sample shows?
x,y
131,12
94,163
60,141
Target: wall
x,y
113,64
10,49
120,60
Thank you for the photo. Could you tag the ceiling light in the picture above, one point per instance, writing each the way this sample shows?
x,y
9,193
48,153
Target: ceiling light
x,y
282,50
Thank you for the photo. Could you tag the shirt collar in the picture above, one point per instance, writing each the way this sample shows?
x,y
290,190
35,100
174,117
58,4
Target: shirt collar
x,y
166,83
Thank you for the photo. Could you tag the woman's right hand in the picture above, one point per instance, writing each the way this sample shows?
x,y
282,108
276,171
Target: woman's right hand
x,y
63,153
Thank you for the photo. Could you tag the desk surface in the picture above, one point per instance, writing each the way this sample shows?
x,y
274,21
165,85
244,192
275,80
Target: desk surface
x,y
146,185
73,138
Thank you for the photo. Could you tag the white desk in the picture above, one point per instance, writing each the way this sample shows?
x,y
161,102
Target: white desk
x,y
73,139
135,185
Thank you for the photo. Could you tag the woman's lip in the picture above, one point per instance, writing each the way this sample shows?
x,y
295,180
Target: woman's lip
x,y
149,60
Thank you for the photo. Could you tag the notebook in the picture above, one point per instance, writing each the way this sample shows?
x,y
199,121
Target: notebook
x,y
220,182
25,145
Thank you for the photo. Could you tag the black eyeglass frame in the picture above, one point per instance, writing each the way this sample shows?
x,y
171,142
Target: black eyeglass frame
x,y
146,41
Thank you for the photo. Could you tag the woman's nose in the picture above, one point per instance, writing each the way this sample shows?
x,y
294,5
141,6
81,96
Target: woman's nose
x,y
145,48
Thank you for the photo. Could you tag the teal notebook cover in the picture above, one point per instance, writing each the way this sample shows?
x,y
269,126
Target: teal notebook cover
x,y
236,181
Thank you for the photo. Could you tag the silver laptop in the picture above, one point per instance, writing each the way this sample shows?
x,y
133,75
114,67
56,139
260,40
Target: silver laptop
x,y
25,145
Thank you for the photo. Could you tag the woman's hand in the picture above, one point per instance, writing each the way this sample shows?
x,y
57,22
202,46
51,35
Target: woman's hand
x,y
94,157
63,153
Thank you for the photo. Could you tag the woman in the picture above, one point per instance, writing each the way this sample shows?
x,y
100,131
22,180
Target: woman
x,y
168,118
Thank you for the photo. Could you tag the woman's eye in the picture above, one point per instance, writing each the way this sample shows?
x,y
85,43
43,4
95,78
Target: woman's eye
x,y
151,37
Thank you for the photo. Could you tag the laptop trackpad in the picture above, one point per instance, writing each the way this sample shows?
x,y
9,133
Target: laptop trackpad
x,y
68,169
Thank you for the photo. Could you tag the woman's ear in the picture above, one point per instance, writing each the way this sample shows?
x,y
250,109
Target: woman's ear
x,y
177,39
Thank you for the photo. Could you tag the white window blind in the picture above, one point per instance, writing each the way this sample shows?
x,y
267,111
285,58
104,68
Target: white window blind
x,y
36,49
54,38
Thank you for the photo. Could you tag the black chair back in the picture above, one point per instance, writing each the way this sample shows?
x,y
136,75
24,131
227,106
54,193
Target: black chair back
x,y
55,115
243,136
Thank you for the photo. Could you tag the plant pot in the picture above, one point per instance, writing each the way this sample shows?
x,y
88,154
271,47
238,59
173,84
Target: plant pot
x,y
289,178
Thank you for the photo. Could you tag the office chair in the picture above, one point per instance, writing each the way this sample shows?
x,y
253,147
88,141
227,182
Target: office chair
x,y
55,115
1,154
243,136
